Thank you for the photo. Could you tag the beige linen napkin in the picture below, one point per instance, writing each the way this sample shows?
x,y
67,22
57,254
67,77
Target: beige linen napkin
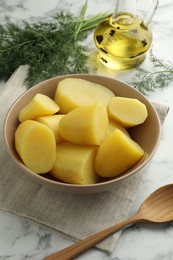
x,y
76,216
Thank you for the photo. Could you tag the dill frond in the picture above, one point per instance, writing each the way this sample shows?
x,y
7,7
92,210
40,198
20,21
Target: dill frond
x,y
159,76
49,48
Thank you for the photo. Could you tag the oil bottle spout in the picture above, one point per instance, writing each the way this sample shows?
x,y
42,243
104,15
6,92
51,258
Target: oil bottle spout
x,y
124,6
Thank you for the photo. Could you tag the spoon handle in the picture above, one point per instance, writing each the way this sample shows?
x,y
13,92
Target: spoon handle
x,y
78,248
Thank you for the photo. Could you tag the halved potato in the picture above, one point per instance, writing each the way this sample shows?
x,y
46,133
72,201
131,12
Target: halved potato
x,y
85,125
117,154
127,111
75,164
53,123
113,125
74,92
40,105
36,146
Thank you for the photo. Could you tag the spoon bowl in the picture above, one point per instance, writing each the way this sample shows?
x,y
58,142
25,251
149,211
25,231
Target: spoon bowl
x,y
158,207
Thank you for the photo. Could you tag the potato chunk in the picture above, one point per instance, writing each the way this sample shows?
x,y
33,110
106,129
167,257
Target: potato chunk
x,y
36,146
117,154
74,92
75,164
53,123
85,125
112,125
40,105
127,111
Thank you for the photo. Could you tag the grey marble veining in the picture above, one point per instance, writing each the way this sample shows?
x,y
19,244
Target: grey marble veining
x,y
21,239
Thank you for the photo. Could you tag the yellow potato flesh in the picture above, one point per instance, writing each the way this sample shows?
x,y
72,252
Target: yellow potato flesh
x,y
75,164
53,123
112,125
127,111
36,146
85,125
40,105
117,154
72,93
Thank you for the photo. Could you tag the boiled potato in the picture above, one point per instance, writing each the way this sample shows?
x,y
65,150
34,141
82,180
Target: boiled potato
x,y
40,105
117,154
112,125
75,164
74,92
53,123
88,140
85,125
36,146
127,111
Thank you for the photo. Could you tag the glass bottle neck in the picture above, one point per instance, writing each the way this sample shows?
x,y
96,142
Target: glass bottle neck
x,y
124,6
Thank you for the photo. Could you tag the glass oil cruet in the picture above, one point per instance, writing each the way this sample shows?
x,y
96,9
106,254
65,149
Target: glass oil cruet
x,y
123,38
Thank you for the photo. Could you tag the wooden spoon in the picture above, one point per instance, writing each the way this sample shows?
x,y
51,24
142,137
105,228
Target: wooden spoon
x,y
157,208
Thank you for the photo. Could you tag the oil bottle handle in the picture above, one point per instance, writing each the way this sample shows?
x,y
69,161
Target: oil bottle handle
x,y
151,12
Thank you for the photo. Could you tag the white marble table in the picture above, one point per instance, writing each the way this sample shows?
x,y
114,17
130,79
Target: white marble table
x,y
22,239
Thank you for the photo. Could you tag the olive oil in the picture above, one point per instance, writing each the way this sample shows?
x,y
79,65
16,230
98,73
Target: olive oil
x,y
123,41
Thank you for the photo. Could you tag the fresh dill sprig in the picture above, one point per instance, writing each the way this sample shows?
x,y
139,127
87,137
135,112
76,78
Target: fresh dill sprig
x,y
49,48
159,76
